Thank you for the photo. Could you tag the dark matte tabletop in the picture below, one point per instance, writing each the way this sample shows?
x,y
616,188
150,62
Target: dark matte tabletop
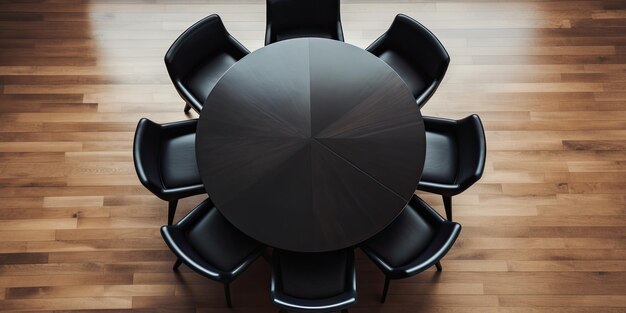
x,y
310,145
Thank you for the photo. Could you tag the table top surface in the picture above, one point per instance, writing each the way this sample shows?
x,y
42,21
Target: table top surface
x,y
310,145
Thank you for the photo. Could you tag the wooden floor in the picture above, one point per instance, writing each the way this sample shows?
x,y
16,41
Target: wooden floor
x,y
543,231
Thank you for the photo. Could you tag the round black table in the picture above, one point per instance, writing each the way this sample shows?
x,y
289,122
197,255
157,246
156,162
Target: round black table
x,y
310,145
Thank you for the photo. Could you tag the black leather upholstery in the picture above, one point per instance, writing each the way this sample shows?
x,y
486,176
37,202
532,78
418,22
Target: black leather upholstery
x,y
208,244
415,54
199,57
219,243
205,77
165,160
178,162
442,158
313,282
455,156
288,19
416,240
403,240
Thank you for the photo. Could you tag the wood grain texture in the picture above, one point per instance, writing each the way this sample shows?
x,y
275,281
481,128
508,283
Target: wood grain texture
x,y
543,231
310,145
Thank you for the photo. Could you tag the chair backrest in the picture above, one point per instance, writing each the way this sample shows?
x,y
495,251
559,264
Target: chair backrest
x,y
283,15
473,146
198,43
146,146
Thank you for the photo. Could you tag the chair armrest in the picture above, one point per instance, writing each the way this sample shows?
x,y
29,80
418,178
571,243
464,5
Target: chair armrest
x,y
180,128
187,95
238,50
196,214
425,210
448,190
438,124
375,47
429,92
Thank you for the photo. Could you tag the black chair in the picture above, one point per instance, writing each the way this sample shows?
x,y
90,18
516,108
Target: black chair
x,y
455,157
199,57
208,244
313,282
415,54
287,19
165,160
416,240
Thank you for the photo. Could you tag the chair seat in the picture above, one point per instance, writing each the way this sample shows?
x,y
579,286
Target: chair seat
x,y
313,276
202,81
416,82
178,162
219,243
441,162
303,33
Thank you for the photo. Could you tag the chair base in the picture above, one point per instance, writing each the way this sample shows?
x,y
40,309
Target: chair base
x,y
187,107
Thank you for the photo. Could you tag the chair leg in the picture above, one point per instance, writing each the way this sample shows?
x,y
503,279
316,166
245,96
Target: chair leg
x,y
385,289
447,203
438,265
267,256
171,211
187,107
227,293
177,265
